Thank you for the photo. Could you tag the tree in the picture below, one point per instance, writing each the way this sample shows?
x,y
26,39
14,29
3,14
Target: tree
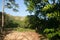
x,y
9,4
31,21
47,9
41,6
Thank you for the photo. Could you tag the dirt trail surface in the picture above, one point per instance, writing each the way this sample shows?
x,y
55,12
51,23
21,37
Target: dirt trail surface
x,y
22,36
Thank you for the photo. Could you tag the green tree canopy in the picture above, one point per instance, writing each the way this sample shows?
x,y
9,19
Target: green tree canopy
x,y
11,4
50,11
43,7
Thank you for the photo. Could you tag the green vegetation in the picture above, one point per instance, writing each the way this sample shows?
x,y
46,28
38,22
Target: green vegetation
x,y
46,19
50,28
23,29
18,24
49,15
10,22
11,4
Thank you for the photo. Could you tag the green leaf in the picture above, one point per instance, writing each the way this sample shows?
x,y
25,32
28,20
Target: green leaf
x,y
15,10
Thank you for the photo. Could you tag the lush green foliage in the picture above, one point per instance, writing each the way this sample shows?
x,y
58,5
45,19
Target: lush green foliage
x,y
49,13
23,29
20,23
10,22
46,18
11,4
31,21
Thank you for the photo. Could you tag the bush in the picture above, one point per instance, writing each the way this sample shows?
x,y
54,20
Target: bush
x,y
10,22
52,34
31,21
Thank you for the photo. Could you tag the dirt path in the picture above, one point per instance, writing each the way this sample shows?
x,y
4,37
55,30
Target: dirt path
x,y
23,36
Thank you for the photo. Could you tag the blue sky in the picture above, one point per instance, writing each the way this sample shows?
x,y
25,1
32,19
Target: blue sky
x,y
22,9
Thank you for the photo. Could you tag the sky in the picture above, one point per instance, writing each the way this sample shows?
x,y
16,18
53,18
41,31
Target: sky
x,y
22,9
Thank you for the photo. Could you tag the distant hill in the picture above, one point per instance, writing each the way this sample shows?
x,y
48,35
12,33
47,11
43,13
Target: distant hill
x,y
18,18
8,15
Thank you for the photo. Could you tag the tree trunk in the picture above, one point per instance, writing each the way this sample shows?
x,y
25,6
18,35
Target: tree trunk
x,y
2,15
